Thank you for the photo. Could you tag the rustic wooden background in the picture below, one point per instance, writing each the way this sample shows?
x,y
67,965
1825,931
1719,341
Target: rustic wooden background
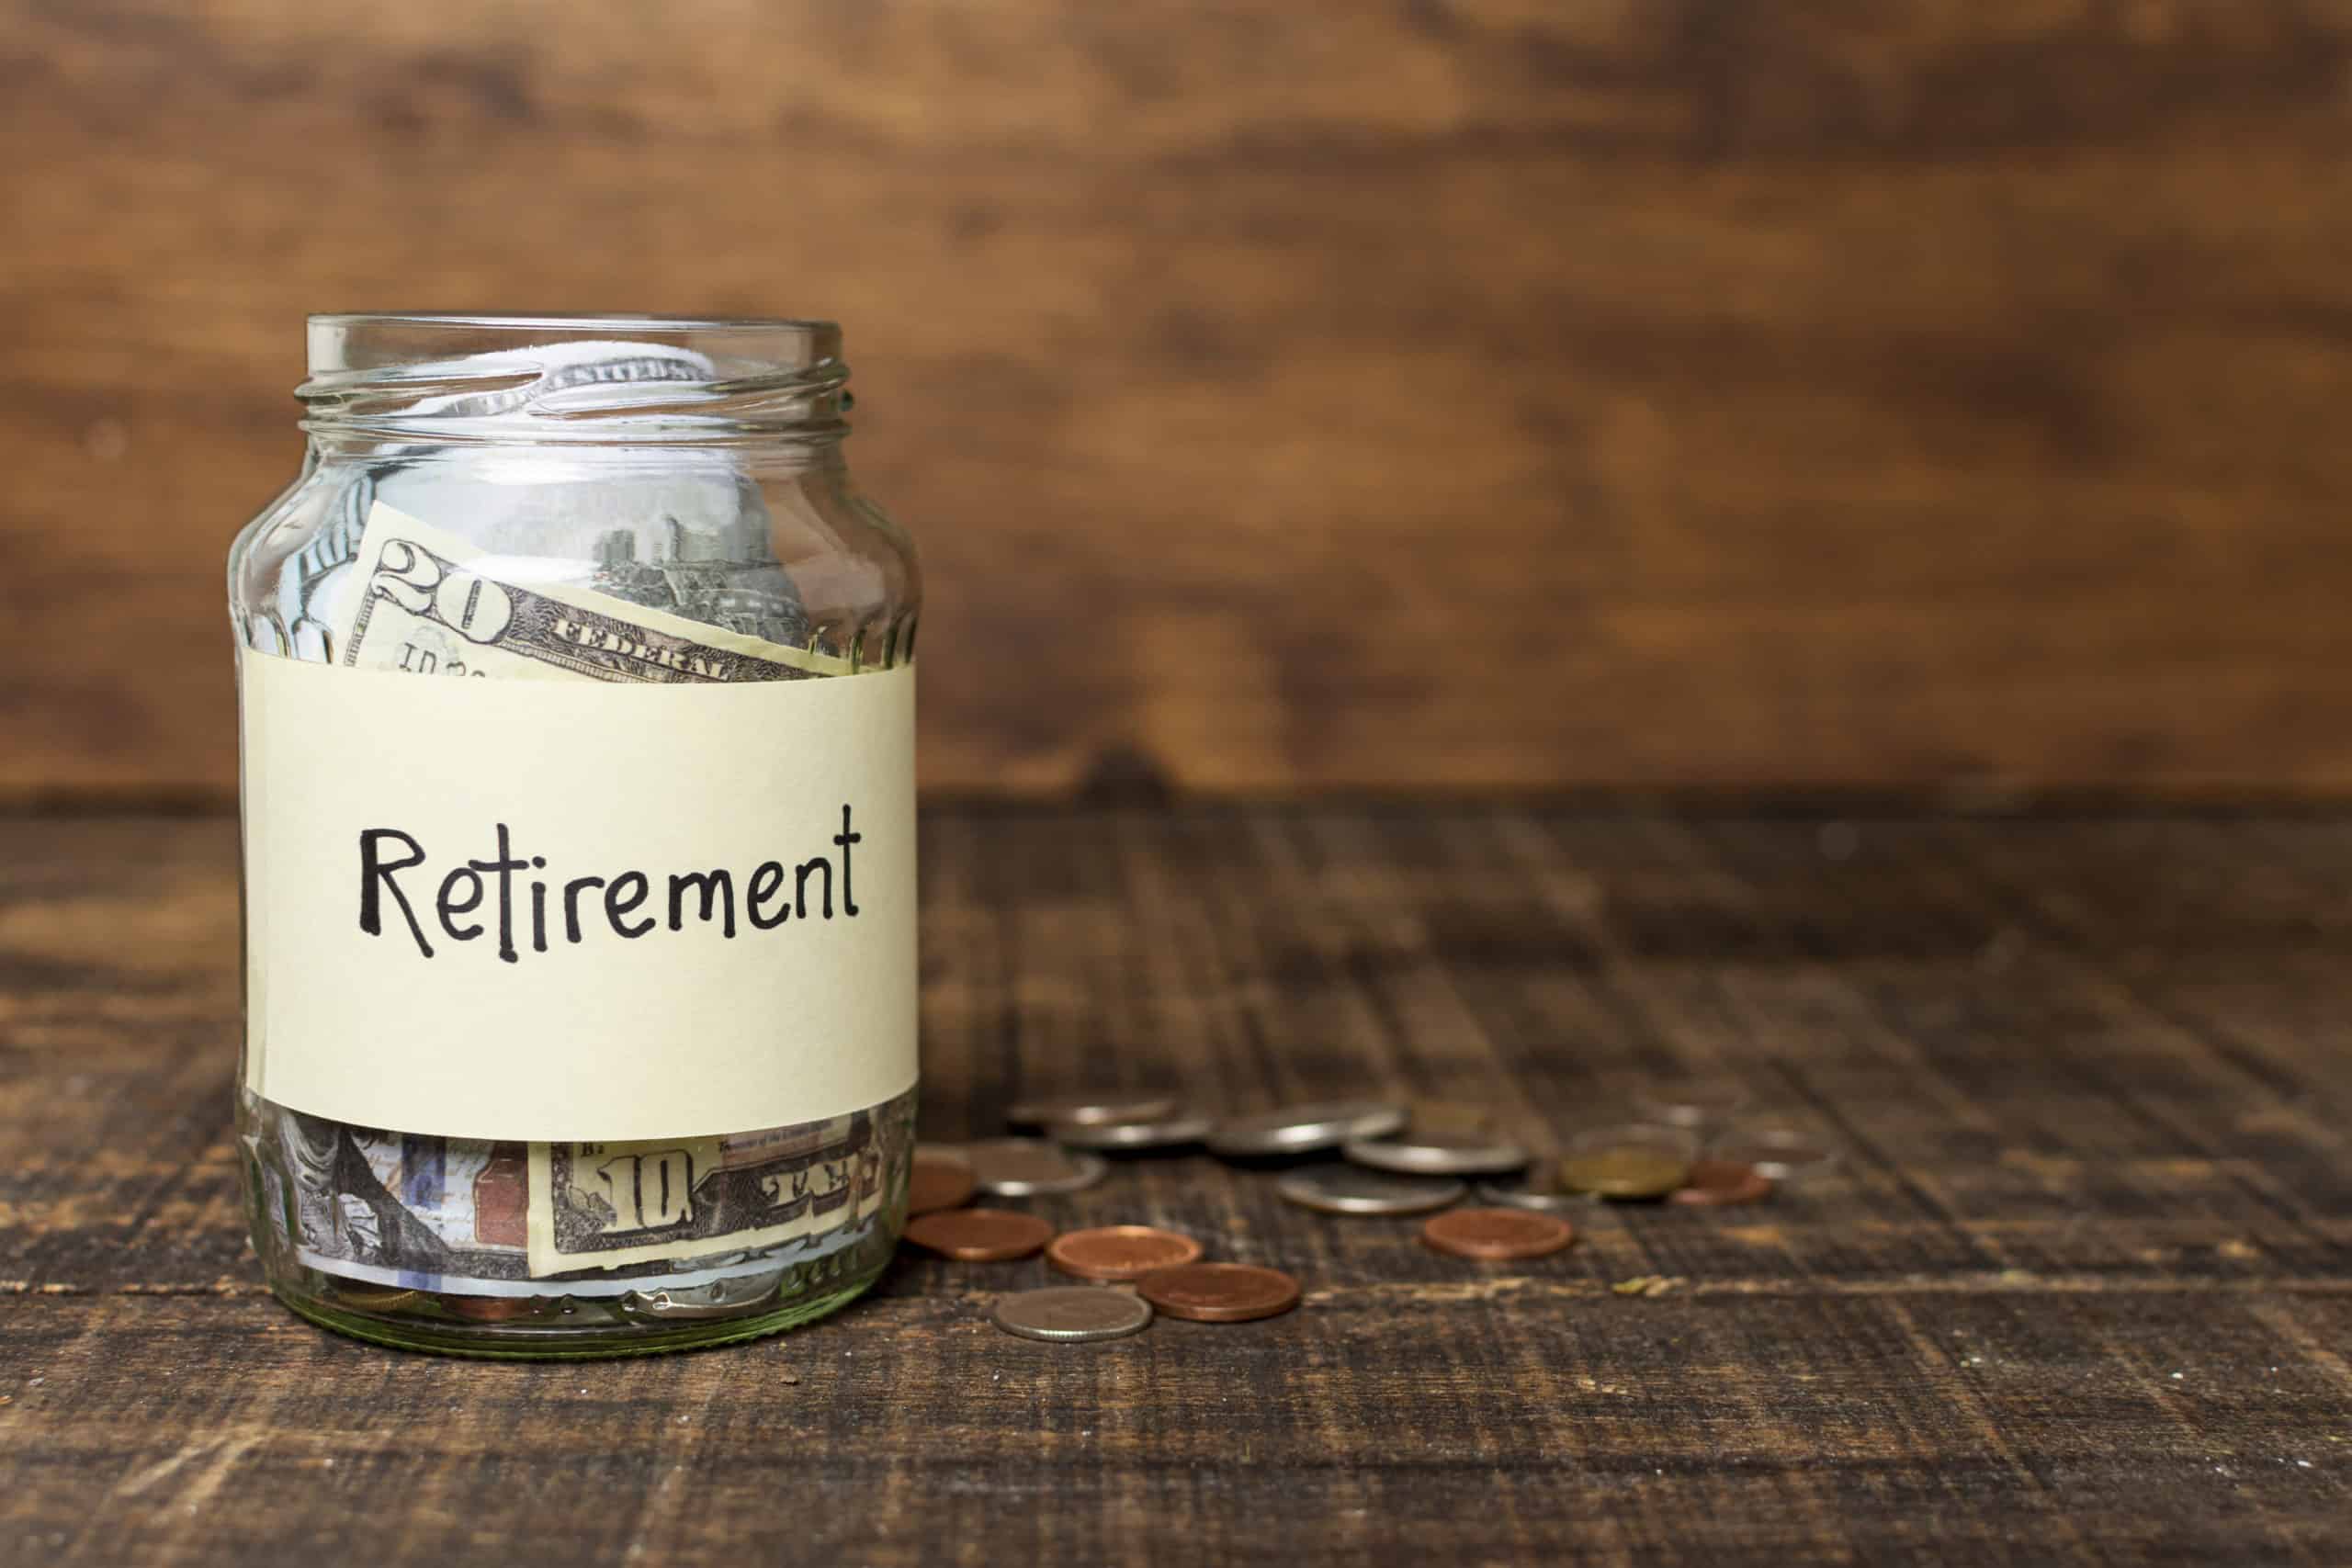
x,y
1655,394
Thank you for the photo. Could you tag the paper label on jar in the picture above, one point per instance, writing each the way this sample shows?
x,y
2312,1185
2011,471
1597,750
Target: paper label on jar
x,y
588,909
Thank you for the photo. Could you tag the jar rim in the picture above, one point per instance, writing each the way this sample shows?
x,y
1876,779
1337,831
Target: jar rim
x,y
447,376
588,321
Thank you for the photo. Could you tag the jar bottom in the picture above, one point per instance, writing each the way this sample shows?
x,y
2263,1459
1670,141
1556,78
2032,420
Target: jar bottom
x,y
437,1324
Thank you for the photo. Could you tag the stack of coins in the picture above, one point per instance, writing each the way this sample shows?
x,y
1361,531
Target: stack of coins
x,y
1391,1160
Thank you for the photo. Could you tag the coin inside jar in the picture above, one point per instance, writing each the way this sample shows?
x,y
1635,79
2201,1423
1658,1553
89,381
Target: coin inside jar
x,y
1072,1315
1497,1235
1219,1293
1025,1168
1165,1133
980,1235
1303,1129
1091,1109
1119,1252
1719,1181
938,1178
1441,1153
1346,1189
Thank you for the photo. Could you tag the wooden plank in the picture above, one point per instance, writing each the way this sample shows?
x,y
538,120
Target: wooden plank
x,y
1678,395
2077,1291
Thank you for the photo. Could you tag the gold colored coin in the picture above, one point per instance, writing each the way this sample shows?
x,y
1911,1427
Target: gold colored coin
x,y
1629,1171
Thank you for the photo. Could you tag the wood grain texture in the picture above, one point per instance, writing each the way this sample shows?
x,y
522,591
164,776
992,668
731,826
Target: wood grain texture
x,y
1463,393
2078,1292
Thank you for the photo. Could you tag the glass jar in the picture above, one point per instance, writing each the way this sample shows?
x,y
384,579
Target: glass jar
x,y
576,719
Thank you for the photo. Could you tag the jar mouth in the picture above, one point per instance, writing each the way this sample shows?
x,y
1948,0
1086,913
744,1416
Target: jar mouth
x,y
461,377
599,321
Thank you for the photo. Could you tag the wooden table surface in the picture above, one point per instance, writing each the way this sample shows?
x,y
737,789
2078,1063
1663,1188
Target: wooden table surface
x,y
2080,1289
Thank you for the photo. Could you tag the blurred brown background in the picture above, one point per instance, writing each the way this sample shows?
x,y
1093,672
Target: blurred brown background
x,y
1659,394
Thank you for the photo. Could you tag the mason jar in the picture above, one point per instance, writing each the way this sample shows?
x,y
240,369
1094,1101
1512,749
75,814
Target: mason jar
x,y
576,722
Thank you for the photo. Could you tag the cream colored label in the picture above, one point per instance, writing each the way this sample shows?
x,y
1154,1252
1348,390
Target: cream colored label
x,y
578,910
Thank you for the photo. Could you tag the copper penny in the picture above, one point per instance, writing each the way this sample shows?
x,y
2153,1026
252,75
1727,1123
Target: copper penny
x,y
1723,1181
980,1235
940,1179
1119,1252
1219,1293
1494,1235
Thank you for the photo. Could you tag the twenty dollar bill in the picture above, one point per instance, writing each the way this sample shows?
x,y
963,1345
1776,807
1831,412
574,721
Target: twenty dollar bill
x,y
428,603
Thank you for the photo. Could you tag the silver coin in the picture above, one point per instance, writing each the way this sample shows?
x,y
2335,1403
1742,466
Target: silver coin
x,y
1344,1190
1693,1104
1072,1315
1028,1168
1439,1154
1303,1129
1164,1133
1778,1154
1542,1196
1092,1109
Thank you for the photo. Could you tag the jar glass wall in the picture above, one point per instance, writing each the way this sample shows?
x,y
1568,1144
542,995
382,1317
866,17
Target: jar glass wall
x,y
648,476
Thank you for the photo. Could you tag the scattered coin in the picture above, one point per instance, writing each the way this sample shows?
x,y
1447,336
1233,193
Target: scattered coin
x,y
1303,1129
1092,1109
1497,1235
1219,1293
1119,1252
1346,1189
1072,1315
939,1178
1634,1160
1778,1154
980,1235
1438,1153
1164,1132
1631,1171
1693,1104
1718,1181
1025,1168
1536,1202
1540,1190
